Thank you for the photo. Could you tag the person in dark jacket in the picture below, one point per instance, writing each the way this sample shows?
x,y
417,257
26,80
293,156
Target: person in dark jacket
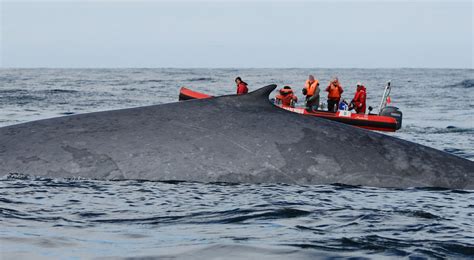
x,y
241,86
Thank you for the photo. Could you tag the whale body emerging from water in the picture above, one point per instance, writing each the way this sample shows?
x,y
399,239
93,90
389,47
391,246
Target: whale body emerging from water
x,y
243,139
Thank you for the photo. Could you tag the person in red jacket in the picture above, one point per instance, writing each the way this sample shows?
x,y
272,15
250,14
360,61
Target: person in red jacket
x,y
241,86
286,97
358,103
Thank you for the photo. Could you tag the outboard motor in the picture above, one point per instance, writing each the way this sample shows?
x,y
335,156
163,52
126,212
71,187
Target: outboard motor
x,y
394,112
390,111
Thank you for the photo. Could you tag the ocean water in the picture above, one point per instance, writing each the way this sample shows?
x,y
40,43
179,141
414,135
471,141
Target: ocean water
x,y
78,218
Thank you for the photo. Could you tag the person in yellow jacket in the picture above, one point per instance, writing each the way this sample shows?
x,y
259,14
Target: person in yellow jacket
x,y
311,91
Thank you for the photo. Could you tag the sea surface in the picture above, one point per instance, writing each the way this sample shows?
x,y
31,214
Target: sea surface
x,y
43,218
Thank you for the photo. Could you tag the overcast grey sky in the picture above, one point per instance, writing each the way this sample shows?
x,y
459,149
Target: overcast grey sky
x,y
339,34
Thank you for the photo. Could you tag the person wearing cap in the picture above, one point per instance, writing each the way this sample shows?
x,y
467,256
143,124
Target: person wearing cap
x,y
311,91
358,103
286,97
335,91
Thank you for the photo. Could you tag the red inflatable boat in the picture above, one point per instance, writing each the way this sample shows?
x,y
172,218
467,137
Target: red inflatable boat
x,y
389,120
186,94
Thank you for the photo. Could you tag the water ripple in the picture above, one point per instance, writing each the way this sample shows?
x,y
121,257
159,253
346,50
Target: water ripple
x,y
330,220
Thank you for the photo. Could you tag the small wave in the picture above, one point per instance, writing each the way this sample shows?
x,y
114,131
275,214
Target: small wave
x,y
150,81
454,129
7,79
6,213
86,82
343,186
371,243
435,189
141,221
21,99
274,214
420,214
200,79
4,200
379,243
90,214
16,176
130,89
468,83
243,251
12,91
167,182
11,213
458,152
61,91
456,248
234,216
438,130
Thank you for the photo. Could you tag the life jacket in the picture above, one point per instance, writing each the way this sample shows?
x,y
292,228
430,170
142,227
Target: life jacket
x,y
311,87
242,88
335,91
360,100
286,91
287,97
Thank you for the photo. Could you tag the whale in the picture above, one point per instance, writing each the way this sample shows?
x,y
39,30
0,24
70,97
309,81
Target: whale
x,y
232,138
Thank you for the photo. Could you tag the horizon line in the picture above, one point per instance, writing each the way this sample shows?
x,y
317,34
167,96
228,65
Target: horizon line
x,y
132,67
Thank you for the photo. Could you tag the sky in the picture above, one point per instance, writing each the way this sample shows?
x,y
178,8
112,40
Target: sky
x,y
238,34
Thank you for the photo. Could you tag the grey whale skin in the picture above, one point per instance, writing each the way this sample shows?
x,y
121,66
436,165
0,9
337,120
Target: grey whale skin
x,y
243,139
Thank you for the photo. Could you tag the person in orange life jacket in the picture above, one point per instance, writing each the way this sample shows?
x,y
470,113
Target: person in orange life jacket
x,y
335,91
359,101
311,91
286,97
241,86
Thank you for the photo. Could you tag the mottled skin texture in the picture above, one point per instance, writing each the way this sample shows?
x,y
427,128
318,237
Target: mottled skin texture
x,y
230,139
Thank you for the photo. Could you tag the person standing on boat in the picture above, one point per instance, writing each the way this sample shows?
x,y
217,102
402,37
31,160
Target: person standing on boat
x,y
335,91
241,86
359,101
311,91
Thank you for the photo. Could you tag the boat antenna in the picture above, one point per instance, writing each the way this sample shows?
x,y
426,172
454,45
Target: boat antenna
x,y
386,94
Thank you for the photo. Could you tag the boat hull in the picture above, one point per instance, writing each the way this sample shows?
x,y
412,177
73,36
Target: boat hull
x,y
371,122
